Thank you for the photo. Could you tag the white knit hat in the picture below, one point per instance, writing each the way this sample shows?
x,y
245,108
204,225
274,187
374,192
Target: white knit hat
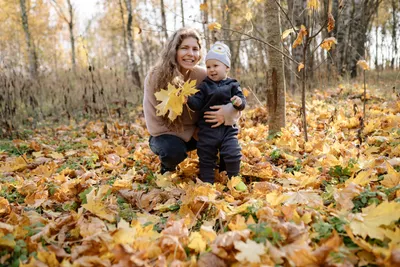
x,y
220,52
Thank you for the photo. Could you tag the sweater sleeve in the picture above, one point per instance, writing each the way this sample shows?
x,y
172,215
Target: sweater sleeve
x,y
155,124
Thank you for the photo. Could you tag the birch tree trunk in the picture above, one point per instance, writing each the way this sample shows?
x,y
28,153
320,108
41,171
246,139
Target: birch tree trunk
x,y
71,34
125,49
275,72
395,5
163,20
183,14
133,68
70,22
33,64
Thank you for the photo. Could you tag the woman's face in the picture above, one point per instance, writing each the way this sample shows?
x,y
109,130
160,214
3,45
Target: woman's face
x,y
188,54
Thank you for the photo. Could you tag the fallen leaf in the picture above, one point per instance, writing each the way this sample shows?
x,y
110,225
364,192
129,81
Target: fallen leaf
x,y
250,251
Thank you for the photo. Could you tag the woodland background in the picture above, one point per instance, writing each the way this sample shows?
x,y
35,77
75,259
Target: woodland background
x,y
79,185
48,68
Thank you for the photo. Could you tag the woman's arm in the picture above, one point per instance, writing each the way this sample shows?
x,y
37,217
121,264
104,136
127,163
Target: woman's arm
x,y
223,114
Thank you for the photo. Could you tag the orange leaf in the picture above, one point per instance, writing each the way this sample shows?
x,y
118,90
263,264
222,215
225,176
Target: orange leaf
x,y
214,26
204,7
300,35
300,67
363,64
331,22
328,42
246,92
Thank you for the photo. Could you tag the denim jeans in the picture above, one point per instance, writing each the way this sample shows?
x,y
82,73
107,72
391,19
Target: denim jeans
x,y
171,150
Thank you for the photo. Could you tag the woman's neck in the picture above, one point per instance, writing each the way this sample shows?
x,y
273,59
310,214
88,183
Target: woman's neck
x,y
185,73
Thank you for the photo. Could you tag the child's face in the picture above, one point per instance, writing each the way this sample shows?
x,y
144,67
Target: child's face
x,y
216,70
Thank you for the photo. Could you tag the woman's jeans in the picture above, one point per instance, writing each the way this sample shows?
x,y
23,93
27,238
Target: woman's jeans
x,y
171,150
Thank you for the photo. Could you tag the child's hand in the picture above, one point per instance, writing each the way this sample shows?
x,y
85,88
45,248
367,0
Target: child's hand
x,y
236,101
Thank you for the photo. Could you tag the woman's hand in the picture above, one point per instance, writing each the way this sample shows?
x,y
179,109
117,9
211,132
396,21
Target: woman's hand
x,y
216,116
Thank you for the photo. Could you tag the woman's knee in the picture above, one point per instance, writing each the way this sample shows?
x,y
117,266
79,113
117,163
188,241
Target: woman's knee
x,y
170,157
171,149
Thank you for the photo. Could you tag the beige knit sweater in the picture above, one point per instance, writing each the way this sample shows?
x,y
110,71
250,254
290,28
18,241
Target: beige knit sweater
x,y
156,125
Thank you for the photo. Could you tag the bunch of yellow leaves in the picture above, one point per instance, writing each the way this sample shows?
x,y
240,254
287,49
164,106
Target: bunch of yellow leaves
x,y
172,100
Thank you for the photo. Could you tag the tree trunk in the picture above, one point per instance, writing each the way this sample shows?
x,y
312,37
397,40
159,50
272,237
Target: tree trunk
x,y
183,14
133,68
33,64
298,19
395,4
341,31
275,72
363,12
205,28
163,20
71,34
121,9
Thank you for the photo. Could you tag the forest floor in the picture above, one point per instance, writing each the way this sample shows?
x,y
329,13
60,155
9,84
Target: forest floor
x,y
90,194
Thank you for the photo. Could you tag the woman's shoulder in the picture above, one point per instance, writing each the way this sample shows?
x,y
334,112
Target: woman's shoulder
x,y
149,81
198,73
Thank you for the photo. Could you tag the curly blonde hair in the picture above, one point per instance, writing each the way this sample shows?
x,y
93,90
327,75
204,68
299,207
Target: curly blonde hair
x,y
166,69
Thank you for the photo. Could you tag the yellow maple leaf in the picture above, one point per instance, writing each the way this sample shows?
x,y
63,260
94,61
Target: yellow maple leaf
x,y
369,221
214,26
168,99
250,251
328,42
7,240
238,223
208,233
172,99
363,178
56,155
275,198
125,234
4,206
188,88
96,206
392,178
304,197
197,242
48,257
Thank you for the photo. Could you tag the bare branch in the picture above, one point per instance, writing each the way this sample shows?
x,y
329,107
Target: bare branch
x,y
264,42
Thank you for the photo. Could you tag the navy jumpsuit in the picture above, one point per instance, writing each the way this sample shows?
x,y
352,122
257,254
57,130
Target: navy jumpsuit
x,y
222,139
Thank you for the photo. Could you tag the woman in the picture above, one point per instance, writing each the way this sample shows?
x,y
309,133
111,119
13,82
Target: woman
x,y
178,63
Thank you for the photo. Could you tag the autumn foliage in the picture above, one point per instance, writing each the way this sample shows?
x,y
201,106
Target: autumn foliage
x,y
89,193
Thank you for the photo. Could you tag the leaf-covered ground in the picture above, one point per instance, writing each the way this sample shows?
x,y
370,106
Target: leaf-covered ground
x,y
90,194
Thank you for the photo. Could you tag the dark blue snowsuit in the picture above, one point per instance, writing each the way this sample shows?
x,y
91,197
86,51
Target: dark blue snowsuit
x,y
222,138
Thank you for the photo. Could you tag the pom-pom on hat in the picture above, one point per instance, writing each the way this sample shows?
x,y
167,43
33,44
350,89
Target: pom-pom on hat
x,y
220,52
